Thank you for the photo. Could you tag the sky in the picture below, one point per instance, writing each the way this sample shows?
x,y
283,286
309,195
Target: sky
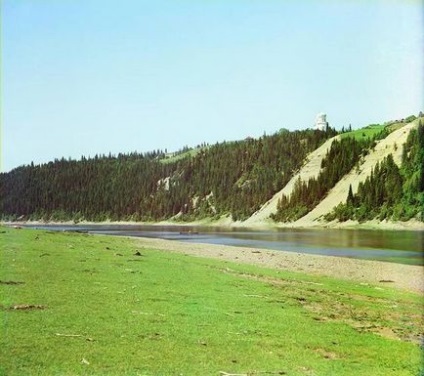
x,y
87,77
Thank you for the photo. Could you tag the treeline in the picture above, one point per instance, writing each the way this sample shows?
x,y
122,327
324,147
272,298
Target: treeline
x,y
390,192
229,178
343,155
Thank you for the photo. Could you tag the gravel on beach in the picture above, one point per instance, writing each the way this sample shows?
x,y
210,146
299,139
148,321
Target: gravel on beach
x,y
379,273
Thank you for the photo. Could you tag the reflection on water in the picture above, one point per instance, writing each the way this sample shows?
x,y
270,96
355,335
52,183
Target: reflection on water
x,y
398,246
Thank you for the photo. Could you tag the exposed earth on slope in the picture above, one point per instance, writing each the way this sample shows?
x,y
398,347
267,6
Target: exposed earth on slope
x,y
392,144
310,169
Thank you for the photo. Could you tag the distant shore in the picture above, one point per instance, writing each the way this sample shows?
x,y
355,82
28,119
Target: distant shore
x,y
411,225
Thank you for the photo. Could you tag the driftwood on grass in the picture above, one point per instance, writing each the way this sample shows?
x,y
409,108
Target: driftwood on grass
x,y
69,335
27,306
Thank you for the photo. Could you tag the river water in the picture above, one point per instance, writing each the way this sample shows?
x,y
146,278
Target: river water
x,y
395,246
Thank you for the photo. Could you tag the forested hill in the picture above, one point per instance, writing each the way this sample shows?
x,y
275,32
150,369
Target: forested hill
x,y
227,179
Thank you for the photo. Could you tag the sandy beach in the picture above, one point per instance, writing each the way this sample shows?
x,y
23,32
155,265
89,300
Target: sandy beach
x,y
377,273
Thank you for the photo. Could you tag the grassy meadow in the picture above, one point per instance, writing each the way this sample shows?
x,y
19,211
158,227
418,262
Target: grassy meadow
x,y
371,130
364,133
79,304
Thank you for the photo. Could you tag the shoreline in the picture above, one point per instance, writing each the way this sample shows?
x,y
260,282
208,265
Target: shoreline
x,y
226,222
379,274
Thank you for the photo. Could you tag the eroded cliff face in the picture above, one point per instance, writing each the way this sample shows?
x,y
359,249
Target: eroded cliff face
x,y
310,169
392,144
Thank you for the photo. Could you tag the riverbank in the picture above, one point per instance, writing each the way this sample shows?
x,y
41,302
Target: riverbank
x,y
381,274
76,303
411,225
266,224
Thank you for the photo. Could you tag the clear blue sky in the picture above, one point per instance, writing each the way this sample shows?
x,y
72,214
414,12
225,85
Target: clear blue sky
x,y
86,77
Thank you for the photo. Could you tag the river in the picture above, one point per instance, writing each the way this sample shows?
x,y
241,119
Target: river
x,y
395,246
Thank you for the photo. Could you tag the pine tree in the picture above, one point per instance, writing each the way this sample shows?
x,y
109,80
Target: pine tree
x,y
350,197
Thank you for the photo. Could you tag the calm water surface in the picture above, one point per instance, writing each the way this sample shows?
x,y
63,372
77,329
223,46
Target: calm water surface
x,y
397,246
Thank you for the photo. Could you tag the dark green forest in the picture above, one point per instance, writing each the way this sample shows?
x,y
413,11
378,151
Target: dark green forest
x,y
226,179
230,178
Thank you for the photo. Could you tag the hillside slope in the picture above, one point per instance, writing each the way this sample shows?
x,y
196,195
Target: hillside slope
x,y
392,144
228,178
310,169
231,184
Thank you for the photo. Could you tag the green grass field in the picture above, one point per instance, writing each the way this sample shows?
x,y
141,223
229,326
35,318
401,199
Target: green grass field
x,y
364,133
176,158
372,130
78,304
